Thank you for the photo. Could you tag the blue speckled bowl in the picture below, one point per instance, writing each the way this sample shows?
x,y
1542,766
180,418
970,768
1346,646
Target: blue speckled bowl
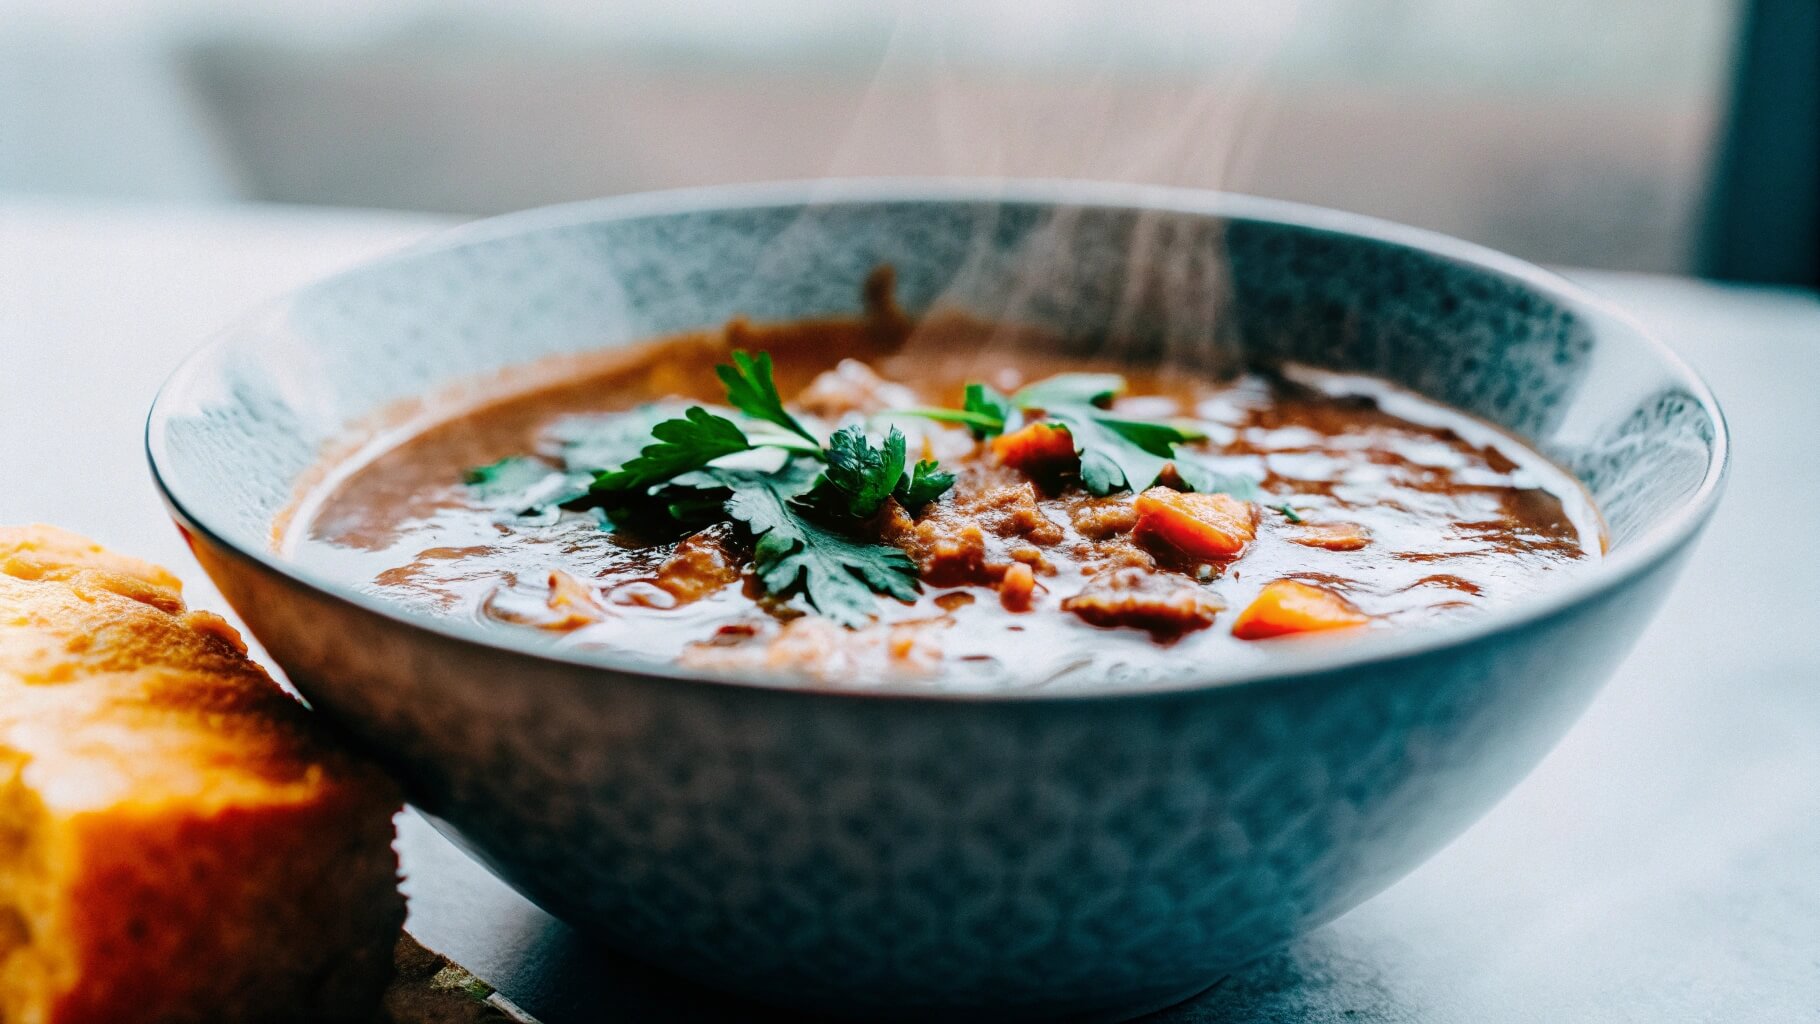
x,y
888,853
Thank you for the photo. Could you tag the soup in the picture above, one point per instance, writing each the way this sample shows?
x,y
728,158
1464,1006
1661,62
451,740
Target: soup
x,y
947,504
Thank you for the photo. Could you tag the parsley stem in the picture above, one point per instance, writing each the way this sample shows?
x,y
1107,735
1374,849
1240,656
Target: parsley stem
x,y
762,438
971,419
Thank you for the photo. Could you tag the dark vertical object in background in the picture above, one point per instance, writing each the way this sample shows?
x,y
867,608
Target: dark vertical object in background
x,y
1763,217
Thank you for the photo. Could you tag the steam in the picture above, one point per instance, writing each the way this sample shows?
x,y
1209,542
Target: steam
x,y
1150,288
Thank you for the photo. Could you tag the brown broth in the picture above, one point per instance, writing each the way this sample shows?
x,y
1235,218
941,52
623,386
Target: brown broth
x,y
1458,517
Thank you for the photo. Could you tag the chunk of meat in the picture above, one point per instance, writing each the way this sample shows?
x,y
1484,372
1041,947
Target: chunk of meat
x,y
853,387
703,563
1181,526
1144,599
1285,607
1017,589
1100,518
975,535
1037,448
952,555
1332,536
1011,512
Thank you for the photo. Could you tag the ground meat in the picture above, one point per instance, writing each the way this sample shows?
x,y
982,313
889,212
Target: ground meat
x,y
852,387
1034,558
991,521
1100,518
1012,512
1159,602
1116,554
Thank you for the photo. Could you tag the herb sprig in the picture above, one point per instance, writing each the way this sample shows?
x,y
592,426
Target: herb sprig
x,y
1115,453
835,572
806,514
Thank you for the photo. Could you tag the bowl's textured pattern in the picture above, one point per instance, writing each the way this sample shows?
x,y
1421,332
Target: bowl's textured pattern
x,y
885,855
904,858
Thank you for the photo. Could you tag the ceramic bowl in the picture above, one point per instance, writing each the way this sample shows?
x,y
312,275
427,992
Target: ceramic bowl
x,y
893,853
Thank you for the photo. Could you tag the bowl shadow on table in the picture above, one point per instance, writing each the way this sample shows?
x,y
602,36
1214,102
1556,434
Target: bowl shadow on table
x,y
1318,970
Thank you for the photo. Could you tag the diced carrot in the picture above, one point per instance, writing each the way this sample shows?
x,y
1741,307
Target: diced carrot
x,y
1017,588
1290,606
1039,446
1197,527
1332,536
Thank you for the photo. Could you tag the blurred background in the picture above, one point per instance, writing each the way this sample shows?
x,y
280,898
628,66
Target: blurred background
x,y
1600,133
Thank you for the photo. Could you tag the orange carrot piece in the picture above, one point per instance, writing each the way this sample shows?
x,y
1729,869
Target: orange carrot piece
x,y
1017,588
1199,527
1039,446
1285,607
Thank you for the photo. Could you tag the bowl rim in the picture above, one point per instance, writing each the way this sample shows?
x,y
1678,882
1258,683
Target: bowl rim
x,y
1291,664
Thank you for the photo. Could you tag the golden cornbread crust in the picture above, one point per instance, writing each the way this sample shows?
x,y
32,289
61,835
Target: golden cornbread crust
x,y
177,843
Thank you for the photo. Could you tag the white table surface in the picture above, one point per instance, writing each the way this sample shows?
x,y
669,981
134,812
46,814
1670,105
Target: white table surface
x,y
1663,864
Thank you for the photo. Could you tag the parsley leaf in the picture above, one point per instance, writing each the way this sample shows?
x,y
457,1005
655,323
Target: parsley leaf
x,y
925,484
1208,481
859,477
981,425
793,555
1289,512
654,470
683,446
594,443
507,476
530,490
1094,389
1155,438
1111,460
751,390
989,404
985,412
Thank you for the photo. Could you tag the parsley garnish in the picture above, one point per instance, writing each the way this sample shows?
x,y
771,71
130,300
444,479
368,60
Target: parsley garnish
x,y
592,443
1207,481
751,390
682,446
1111,459
1115,453
527,489
794,555
925,484
989,405
1064,389
859,476
1289,512
678,472
509,475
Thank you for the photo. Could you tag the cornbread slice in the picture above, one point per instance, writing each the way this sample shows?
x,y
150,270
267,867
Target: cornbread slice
x,y
176,841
